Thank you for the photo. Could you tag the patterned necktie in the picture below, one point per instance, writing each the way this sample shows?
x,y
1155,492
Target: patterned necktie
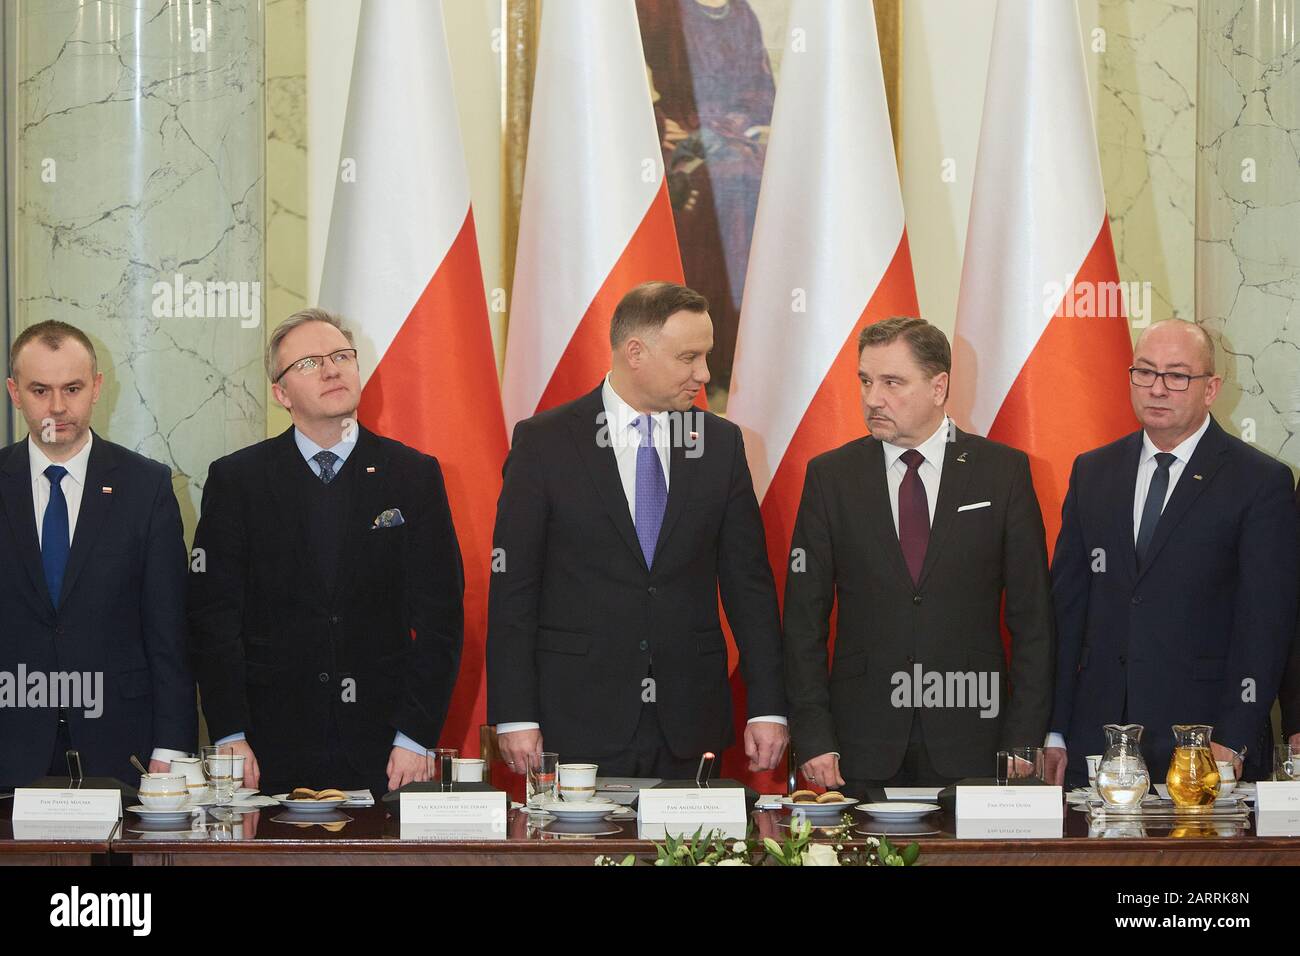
x,y
54,533
326,461
1154,504
651,490
913,515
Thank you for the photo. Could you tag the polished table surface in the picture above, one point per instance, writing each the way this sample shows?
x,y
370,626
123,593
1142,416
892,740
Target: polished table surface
x,y
36,844
372,836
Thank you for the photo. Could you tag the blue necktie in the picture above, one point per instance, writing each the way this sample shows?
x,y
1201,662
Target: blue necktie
x,y
651,490
1154,504
326,461
54,533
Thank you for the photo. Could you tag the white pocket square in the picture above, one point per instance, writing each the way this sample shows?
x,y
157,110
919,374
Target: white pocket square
x,y
974,506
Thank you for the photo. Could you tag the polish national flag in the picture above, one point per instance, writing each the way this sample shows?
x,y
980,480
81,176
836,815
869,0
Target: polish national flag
x,y
1042,346
595,219
402,266
829,256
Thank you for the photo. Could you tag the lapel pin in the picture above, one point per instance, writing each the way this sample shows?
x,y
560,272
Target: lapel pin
x,y
1197,477
370,469
695,436
962,457
106,490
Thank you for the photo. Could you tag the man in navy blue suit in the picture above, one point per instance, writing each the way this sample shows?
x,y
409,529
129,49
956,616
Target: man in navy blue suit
x,y
92,582
1174,575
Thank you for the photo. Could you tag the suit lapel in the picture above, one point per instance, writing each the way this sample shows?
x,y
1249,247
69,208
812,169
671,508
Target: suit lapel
x,y
1197,474
958,460
681,473
95,505
1124,492
598,458
370,460
879,508
16,498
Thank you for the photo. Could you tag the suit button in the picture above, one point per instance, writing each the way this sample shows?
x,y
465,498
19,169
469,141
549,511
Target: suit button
x,y
652,590
1137,599
334,618
1122,661
58,628
644,645
324,678
911,659
916,599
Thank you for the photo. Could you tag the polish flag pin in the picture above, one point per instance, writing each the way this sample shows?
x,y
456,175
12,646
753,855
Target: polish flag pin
x,y
106,490
370,469
695,436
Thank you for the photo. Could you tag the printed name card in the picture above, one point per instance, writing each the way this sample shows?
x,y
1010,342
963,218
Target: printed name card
x,y
1277,796
95,806
1010,813
680,812
473,810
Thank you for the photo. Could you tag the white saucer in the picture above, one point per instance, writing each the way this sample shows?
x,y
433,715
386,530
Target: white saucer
x,y
163,816
308,806
596,807
814,809
898,810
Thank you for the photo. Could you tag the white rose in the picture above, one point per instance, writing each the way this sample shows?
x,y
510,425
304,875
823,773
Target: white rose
x,y
731,863
820,854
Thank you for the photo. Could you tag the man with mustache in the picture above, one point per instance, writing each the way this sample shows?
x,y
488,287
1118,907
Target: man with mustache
x,y
326,620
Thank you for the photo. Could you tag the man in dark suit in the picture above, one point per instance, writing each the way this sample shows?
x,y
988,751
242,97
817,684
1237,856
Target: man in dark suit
x,y
1289,695
92,582
327,619
1174,576
919,531
621,516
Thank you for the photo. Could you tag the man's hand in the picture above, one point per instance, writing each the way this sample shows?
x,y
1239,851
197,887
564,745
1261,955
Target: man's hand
x,y
1225,753
765,742
823,771
160,766
405,766
515,748
252,772
1054,761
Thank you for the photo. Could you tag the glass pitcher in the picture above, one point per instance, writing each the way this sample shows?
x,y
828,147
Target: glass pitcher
x,y
1193,778
1122,776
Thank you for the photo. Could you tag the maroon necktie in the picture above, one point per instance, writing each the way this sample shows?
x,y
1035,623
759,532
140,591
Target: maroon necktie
x,y
913,515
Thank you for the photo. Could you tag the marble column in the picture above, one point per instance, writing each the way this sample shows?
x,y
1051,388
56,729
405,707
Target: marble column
x,y
1248,214
139,214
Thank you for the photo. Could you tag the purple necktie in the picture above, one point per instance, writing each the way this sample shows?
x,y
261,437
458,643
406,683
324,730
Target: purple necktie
x,y
913,515
651,490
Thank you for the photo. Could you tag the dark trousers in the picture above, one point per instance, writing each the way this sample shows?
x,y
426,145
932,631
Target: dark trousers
x,y
647,755
915,771
330,767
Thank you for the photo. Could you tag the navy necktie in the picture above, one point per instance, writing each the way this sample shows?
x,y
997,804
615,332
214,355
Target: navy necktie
x,y
55,540
651,490
913,515
1154,504
326,461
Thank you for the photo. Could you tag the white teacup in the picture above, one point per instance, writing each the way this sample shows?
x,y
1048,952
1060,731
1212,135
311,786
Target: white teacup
x,y
577,781
467,769
1093,762
192,769
164,791
1227,777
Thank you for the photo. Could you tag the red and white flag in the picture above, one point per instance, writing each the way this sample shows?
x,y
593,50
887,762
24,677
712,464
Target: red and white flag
x,y
1042,346
595,219
402,266
829,256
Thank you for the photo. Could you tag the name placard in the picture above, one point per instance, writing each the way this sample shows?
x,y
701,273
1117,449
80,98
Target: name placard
x,y
1012,803
680,812
93,806
1277,796
472,811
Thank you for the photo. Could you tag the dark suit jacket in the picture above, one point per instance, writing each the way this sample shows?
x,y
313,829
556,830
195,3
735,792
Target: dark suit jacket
x,y
1213,607
575,616
886,624
275,650
121,613
1289,695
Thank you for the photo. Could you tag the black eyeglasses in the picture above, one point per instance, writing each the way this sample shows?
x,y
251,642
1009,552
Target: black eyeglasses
x,y
1174,381
342,359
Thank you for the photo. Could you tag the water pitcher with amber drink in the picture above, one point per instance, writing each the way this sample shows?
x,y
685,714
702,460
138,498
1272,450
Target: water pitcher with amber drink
x,y
1193,778
1122,776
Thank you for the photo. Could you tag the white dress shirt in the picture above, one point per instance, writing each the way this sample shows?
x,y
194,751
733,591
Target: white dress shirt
x,y
620,420
308,448
930,470
1182,453
73,486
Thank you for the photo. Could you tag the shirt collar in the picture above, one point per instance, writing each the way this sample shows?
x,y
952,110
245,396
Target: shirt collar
x,y
931,449
621,417
309,449
1182,451
76,465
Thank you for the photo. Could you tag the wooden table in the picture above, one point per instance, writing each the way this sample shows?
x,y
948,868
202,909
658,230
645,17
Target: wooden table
x,y
49,849
371,837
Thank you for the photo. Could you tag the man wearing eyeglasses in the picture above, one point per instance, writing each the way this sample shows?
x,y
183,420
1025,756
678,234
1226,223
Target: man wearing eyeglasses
x,y
1174,576
325,598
